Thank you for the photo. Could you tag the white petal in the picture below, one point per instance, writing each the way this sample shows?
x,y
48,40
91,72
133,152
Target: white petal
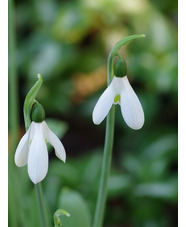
x,y
55,142
117,84
131,108
21,154
38,156
103,105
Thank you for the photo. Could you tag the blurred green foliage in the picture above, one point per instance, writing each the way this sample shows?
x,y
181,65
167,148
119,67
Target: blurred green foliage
x,y
68,43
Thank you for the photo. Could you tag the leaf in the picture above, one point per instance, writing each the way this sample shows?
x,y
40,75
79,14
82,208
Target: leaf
x,y
165,190
73,202
118,184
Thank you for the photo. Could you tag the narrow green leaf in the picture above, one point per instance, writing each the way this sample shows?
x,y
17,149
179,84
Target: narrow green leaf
x,y
29,100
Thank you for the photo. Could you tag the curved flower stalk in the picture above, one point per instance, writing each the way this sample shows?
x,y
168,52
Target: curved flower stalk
x,y
32,150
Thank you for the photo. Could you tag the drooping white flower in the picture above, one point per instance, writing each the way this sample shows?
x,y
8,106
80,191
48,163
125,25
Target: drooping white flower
x,y
120,92
32,150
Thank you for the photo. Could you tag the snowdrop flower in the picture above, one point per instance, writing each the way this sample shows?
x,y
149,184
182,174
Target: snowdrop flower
x,y
32,149
120,92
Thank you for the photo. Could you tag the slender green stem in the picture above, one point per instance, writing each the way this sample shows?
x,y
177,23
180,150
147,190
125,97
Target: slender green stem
x,y
107,156
13,83
109,136
41,205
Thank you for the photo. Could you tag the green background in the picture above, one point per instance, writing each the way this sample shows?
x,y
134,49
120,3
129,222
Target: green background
x,y
68,43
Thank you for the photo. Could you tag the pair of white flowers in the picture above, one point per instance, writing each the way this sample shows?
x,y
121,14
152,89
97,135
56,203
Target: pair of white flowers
x,y
32,149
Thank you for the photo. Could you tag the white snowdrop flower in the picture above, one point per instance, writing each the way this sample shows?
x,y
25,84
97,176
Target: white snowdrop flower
x,y
32,150
120,92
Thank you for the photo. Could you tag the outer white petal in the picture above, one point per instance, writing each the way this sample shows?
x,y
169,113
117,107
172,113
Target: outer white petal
x,y
103,105
131,108
21,154
38,156
55,142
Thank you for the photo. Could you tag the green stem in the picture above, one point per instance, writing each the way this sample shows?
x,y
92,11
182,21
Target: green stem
x,y
41,205
107,156
13,83
109,136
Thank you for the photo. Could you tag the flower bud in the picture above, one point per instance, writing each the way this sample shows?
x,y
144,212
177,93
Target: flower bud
x,y
37,113
120,68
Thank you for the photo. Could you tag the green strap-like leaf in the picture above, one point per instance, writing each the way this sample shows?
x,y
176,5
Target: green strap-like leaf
x,y
30,99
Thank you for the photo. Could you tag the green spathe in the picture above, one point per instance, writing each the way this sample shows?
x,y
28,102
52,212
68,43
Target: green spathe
x,y
30,100
38,113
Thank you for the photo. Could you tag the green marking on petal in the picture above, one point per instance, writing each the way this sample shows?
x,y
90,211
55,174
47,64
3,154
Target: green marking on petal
x,y
117,99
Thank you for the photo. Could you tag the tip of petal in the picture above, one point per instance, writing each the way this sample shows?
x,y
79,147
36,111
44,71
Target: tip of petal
x,y
137,126
136,122
95,119
37,176
36,180
19,164
61,156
